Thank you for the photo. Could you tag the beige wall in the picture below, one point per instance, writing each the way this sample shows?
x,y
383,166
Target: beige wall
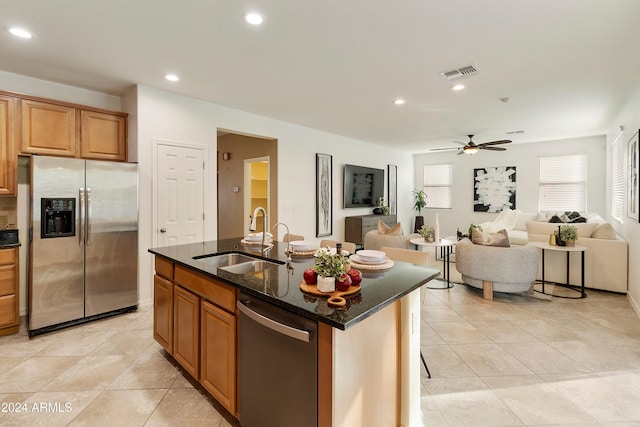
x,y
231,174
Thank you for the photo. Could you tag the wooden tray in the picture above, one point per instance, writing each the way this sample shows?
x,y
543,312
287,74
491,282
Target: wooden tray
x,y
335,298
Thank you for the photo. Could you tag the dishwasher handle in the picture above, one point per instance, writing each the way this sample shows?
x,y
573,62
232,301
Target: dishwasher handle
x,y
278,327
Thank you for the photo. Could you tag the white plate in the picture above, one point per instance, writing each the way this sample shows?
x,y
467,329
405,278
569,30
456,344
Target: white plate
x,y
254,237
302,246
358,259
371,256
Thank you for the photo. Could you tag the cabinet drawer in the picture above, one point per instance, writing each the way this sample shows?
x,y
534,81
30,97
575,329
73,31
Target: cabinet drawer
x,y
7,256
8,312
7,279
164,268
210,289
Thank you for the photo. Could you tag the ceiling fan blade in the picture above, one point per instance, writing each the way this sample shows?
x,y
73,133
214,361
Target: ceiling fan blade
x,y
491,148
460,142
502,141
444,149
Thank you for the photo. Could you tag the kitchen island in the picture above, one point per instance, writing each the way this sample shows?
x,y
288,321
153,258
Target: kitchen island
x,y
368,364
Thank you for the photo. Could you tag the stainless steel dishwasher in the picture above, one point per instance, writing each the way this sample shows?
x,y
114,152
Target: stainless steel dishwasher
x,y
278,366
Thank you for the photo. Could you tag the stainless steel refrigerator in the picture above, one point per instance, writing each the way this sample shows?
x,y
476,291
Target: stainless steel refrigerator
x,y
84,241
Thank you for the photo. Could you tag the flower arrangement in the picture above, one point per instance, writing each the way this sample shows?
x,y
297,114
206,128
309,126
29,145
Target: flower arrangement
x,y
427,232
568,233
328,264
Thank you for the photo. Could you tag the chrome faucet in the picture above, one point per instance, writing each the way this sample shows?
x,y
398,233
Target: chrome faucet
x,y
288,239
265,221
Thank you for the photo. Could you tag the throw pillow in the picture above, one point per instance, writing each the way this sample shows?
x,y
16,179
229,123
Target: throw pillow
x,y
500,239
604,231
556,219
394,230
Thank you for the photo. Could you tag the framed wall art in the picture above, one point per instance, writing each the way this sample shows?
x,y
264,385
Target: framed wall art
x,y
324,195
494,189
392,187
633,191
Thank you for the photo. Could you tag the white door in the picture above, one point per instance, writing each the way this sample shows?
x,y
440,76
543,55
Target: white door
x,y
179,195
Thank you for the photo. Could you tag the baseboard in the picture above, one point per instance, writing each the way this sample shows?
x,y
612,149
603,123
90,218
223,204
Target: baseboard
x,y
634,304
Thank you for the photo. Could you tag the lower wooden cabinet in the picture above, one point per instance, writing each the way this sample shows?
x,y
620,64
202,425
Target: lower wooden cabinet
x,y
163,312
218,354
9,294
194,320
186,330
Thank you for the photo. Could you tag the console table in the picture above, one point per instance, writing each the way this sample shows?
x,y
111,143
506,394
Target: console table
x,y
355,227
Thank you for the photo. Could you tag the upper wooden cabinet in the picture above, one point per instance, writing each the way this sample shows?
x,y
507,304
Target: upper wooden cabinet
x,y
103,136
48,128
59,129
8,165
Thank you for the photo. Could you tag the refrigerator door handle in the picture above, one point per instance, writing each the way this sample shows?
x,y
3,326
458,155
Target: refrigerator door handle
x,y
88,216
81,210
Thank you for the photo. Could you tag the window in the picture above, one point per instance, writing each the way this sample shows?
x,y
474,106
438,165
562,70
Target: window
x,y
437,185
617,177
563,183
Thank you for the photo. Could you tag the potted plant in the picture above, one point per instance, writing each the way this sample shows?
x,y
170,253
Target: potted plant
x,y
329,266
569,234
419,203
428,233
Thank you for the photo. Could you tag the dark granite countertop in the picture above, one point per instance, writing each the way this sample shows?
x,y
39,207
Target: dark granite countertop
x,y
280,284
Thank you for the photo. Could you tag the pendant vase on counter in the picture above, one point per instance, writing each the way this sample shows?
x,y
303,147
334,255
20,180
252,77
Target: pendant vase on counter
x,y
326,284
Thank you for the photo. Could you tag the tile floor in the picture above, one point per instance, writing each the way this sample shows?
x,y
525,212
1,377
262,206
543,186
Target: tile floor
x,y
517,360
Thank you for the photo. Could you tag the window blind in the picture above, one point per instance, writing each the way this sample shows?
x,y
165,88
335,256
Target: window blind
x,y
617,177
437,185
563,183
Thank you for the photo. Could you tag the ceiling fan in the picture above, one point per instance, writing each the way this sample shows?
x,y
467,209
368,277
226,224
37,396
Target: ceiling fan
x,y
472,148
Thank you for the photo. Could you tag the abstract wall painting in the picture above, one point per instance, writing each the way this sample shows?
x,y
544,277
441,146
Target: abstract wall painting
x,y
494,189
392,188
324,195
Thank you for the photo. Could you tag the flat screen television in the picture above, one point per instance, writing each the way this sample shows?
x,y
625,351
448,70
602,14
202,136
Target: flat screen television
x,y
363,186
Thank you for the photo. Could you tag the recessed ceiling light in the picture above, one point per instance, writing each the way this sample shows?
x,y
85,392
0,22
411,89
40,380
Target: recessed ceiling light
x,y
399,101
253,18
171,77
457,87
20,32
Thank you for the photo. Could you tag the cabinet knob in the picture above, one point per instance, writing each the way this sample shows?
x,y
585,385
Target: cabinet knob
x,y
163,230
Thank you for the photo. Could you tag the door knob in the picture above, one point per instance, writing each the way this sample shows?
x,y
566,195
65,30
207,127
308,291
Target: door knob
x,y
163,230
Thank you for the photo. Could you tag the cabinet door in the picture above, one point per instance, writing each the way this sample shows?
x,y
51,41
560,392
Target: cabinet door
x,y
163,312
218,354
103,136
8,313
48,129
186,330
8,165
9,295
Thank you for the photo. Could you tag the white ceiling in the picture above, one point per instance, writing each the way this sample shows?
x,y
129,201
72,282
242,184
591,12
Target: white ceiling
x,y
336,65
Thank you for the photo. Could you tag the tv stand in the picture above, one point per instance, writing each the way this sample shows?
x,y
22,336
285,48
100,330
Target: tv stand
x,y
355,227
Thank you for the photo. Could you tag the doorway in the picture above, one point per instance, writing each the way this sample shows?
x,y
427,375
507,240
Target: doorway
x,y
233,212
256,183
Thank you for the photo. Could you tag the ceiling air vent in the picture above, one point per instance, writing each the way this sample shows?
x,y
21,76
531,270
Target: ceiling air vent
x,y
461,72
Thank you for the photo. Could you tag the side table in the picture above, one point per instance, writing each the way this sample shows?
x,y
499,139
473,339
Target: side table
x,y
447,247
544,246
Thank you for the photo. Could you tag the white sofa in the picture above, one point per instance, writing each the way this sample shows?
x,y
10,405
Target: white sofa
x,y
606,258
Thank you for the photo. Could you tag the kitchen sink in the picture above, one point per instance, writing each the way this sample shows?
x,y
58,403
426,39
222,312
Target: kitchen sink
x,y
249,267
237,263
